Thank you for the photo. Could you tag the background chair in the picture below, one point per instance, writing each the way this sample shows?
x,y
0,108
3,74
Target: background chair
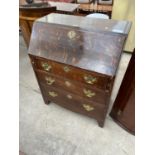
x,y
28,14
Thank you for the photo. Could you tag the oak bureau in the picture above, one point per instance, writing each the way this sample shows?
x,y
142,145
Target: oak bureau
x,y
75,60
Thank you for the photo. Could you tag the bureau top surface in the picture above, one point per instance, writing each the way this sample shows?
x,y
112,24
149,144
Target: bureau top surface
x,y
86,43
88,23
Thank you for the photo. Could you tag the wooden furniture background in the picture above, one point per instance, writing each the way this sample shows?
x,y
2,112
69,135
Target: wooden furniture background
x,y
27,15
65,8
123,111
95,7
75,60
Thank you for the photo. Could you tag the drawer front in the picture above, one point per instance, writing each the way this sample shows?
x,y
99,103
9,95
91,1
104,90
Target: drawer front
x,y
74,102
72,86
84,76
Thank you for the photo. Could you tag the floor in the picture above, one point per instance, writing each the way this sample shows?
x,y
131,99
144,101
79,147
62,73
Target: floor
x,y
53,130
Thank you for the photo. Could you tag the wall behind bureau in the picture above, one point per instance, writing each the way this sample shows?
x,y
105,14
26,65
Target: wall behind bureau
x,y
125,10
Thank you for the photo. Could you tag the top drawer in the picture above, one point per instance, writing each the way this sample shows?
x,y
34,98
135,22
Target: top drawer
x,y
73,73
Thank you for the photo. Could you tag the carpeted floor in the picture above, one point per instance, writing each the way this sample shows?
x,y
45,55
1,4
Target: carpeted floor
x,y
53,130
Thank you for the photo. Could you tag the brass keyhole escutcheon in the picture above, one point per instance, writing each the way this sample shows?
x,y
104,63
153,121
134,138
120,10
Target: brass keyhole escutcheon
x,y
53,94
71,35
90,79
66,69
46,66
87,107
67,83
88,93
69,96
49,80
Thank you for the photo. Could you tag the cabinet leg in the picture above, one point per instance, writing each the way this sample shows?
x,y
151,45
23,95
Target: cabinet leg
x,y
46,101
100,123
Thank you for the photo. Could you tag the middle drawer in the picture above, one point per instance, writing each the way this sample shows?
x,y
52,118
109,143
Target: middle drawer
x,y
83,90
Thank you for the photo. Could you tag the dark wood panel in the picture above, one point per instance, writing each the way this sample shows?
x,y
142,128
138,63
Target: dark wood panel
x,y
123,111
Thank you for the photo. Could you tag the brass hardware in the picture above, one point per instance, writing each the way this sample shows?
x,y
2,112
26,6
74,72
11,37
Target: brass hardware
x,y
87,107
71,35
88,93
67,83
53,94
69,96
46,66
32,62
66,69
90,79
49,80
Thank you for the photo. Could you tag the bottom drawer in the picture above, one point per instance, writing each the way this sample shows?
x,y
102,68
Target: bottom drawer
x,y
73,102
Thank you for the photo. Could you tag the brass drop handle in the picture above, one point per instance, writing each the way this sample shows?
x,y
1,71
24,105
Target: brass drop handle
x,y
88,93
90,79
87,107
46,66
49,80
66,69
53,94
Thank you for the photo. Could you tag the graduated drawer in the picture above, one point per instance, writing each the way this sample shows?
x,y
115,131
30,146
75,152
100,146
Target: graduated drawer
x,y
75,87
73,73
74,102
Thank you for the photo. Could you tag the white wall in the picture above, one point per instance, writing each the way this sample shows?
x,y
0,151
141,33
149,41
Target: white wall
x,y
125,10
